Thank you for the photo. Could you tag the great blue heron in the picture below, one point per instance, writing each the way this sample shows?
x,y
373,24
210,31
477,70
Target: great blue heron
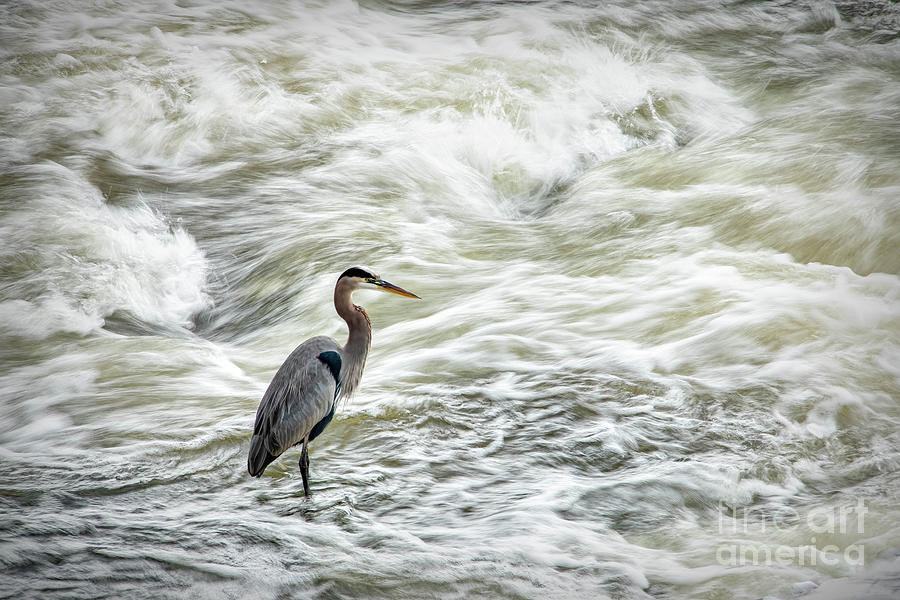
x,y
302,397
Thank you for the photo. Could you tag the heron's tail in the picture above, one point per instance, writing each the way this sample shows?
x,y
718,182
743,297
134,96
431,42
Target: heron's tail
x,y
259,457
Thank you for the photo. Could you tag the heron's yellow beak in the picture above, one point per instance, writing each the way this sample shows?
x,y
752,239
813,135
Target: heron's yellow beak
x,y
390,287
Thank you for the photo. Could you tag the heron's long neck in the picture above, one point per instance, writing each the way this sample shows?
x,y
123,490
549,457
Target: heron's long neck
x,y
358,341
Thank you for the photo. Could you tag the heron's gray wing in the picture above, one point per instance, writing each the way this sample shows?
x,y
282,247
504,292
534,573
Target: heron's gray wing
x,y
300,395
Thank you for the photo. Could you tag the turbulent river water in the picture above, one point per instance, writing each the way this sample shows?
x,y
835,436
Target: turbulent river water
x,y
658,246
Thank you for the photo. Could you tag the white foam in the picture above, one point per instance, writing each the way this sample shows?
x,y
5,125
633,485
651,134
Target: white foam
x,y
97,259
42,318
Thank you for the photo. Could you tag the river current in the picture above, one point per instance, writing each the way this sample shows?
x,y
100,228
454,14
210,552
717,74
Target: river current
x,y
657,243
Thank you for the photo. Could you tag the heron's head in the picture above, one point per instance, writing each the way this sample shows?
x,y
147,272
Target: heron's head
x,y
359,277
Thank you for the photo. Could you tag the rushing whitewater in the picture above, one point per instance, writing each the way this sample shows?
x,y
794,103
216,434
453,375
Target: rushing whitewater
x,y
658,246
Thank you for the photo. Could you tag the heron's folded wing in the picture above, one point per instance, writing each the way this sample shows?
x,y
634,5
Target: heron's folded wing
x,y
300,395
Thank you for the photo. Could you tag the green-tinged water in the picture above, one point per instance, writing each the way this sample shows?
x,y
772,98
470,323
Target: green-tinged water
x,y
658,246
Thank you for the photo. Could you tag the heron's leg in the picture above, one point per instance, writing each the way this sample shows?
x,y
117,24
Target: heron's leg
x,y
304,466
